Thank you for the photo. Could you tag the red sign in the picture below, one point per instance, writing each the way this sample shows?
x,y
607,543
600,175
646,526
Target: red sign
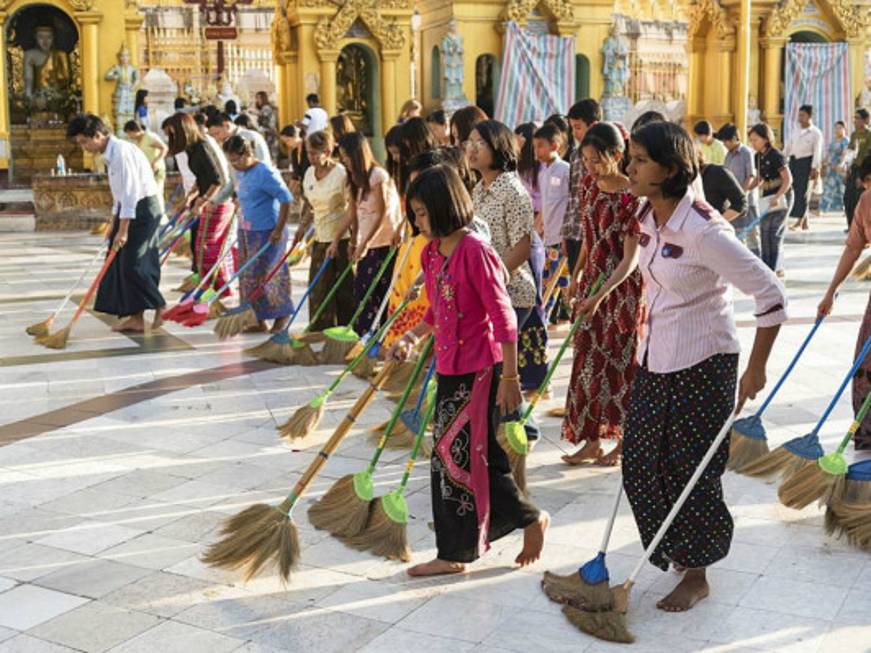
x,y
221,33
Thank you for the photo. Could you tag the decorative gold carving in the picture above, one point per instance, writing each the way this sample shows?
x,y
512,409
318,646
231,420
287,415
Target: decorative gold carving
x,y
518,10
330,31
281,41
82,5
853,18
782,15
711,11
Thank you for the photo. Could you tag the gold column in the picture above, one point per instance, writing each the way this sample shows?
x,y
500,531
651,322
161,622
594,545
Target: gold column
x,y
90,61
722,111
132,25
772,55
328,80
742,86
856,46
389,110
695,86
4,101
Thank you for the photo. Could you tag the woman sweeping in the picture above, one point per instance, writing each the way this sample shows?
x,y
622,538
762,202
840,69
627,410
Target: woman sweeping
x,y
265,205
375,216
214,189
325,186
474,497
857,241
605,344
685,385
834,170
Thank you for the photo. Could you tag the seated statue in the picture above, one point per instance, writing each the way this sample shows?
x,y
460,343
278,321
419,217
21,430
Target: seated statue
x,y
44,66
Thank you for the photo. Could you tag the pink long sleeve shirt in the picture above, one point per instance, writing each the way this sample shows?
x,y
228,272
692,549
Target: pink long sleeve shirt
x,y
470,310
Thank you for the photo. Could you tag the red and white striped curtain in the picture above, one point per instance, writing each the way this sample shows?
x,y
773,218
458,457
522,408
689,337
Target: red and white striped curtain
x,y
817,74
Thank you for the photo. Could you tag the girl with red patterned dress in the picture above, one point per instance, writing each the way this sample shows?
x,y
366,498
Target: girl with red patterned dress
x,y
605,343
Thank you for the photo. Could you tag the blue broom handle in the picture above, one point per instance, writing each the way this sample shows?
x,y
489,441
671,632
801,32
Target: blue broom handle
x,y
746,230
426,380
790,367
176,239
244,267
308,291
856,365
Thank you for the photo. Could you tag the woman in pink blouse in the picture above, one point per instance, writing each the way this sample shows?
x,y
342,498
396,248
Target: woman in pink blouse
x,y
474,497
857,241
685,386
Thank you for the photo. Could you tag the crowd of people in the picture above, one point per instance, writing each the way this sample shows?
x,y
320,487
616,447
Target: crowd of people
x,y
640,229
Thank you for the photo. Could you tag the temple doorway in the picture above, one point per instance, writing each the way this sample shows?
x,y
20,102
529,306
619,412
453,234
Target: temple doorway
x,y
358,87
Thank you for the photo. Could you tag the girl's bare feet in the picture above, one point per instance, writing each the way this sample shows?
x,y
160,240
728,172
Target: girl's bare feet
x,y
692,588
436,567
533,540
157,322
279,325
589,452
133,324
612,458
260,327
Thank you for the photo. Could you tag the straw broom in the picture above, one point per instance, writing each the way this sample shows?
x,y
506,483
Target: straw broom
x,y
41,329
406,430
607,620
827,478
199,293
307,417
58,339
386,534
344,509
748,442
801,454
262,533
857,494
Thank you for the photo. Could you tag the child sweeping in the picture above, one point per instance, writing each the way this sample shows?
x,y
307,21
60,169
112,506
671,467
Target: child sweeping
x,y
604,363
474,497
684,389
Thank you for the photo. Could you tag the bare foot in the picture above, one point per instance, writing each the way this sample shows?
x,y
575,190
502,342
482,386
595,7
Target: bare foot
x,y
133,324
436,567
533,540
692,588
279,325
795,226
589,452
612,458
157,322
260,327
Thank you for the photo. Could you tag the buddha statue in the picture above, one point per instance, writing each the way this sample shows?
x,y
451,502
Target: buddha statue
x,y
44,66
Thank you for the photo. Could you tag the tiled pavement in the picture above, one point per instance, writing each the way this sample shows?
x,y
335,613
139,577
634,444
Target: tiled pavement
x,y
122,456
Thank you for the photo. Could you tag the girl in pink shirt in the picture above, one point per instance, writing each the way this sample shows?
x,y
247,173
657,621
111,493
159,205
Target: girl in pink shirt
x,y
474,497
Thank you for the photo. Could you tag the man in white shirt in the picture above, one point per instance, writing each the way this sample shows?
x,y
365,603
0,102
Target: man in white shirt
x,y
804,151
131,284
221,127
315,119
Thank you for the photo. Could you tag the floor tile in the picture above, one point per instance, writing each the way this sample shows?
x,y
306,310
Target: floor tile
x,y
90,537
28,644
172,637
95,627
25,606
92,578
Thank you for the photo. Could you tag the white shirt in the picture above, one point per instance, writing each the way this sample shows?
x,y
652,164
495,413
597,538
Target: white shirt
x,y
804,142
261,149
188,179
689,266
553,188
130,177
315,120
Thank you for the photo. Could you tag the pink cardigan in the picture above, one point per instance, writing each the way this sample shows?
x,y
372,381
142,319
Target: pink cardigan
x,y
470,310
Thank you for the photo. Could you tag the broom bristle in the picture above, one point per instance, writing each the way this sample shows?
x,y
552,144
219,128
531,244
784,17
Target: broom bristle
x,y
289,550
234,323
366,368
271,351
774,462
242,535
744,451
216,309
311,337
573,589
382,536
857,491
607,626
804,485
40,329
517,461
188,284
334,352
304,421
340,511
306,357
56,340
400,377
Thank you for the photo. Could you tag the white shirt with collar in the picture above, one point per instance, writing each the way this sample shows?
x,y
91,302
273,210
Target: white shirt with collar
x,y
315,119
130,177
689,266
261,149
804,142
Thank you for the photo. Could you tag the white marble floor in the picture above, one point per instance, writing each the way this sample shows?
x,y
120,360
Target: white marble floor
x,y
102,520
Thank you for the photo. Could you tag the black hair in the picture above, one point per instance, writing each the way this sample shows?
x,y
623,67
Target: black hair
x,y
703,128
238,145
438,117
218,120
862,112
312,98
527,164
762,130
289,131
727,132
548,132
415,137
141,94
132,126
841,123
211,110
179,103
244,120
359,153
646,118
87,125
230,107
670,146
200,118
393,138
807,108
558,121
587,110
465,120
607,140
500,140
448,203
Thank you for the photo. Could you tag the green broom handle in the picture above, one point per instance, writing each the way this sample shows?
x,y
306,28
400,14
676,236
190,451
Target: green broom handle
x,y
359,357
332,293
562,350
418,439
857,422
394,418
308,290
381,270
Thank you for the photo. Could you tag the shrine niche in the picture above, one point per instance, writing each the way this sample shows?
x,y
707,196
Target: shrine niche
x,y
356,77
42,60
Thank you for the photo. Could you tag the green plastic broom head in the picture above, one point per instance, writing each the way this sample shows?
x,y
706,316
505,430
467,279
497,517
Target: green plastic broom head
x,y
364,486
516,436
395,507
208,296
318,401
342,334
834,464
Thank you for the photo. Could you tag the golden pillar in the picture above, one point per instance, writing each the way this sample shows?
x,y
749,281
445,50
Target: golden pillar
x,y
132,24
328,80
856,47
90,61
772,48
4,104
389,110
724,49
695,87
742,87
